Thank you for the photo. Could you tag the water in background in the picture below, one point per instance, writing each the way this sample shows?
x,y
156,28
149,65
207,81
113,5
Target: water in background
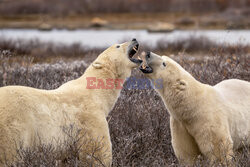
x,y
105,38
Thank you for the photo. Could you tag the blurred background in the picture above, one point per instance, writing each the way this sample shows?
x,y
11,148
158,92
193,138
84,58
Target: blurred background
x,y
97,23
45,43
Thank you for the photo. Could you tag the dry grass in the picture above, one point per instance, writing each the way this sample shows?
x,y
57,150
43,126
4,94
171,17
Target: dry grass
x,y
47,52
64,7
198,44
41,52
139,122
129,14
66,153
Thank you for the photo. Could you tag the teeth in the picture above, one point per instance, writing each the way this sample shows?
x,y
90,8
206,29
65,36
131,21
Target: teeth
x,y
135,49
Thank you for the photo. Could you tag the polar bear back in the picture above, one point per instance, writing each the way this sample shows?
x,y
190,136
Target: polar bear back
x,y
236,92
236,95
34,113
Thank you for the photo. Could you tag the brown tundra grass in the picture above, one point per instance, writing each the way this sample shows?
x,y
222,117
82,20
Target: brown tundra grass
x,y
64,7
139,122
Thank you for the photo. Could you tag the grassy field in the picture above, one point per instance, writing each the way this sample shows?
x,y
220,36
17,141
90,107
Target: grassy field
x,y
228,19
139,122
132,14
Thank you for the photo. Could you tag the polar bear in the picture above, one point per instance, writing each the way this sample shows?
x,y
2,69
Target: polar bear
x,y
27,114
204,119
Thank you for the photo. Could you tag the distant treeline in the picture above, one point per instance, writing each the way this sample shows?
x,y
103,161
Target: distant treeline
x,y
73,7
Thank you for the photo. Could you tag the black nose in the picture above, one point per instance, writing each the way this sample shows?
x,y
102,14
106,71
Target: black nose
x,y
146,70
133,39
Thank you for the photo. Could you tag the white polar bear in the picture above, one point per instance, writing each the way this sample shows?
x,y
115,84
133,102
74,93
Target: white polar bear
x,y
204,119
27,114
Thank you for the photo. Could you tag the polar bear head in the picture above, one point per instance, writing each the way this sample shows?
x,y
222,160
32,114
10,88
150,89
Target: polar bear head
x,y
122,56
164,68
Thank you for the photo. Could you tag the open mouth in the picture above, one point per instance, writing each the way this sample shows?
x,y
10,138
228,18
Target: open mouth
x,y
144,67
133,49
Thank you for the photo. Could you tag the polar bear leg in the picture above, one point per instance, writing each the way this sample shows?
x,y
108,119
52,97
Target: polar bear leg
x,y
107,148
184,145
99,143
216,144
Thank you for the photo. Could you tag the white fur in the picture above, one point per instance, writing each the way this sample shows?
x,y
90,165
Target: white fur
x,y
204,119
27,114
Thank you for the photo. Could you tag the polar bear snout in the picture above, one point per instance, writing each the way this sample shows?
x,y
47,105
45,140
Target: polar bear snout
x,y
132,50
144,67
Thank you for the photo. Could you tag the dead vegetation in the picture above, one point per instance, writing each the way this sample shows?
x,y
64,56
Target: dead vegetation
x,y
139,122
66,153
64,7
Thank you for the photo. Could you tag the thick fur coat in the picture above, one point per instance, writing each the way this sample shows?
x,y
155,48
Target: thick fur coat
x,y
204,119
29,115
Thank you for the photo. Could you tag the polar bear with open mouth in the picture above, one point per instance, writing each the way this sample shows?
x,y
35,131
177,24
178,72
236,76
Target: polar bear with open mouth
x,y
204,119
28,115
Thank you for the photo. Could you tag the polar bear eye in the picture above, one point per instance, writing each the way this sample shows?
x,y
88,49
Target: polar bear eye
x,y
117,46
164,64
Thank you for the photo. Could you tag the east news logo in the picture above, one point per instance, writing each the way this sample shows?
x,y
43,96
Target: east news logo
x,y
131,83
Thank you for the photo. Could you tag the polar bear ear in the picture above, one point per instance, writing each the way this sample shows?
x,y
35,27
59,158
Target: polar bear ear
x,y
182,82
182,85
97,65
